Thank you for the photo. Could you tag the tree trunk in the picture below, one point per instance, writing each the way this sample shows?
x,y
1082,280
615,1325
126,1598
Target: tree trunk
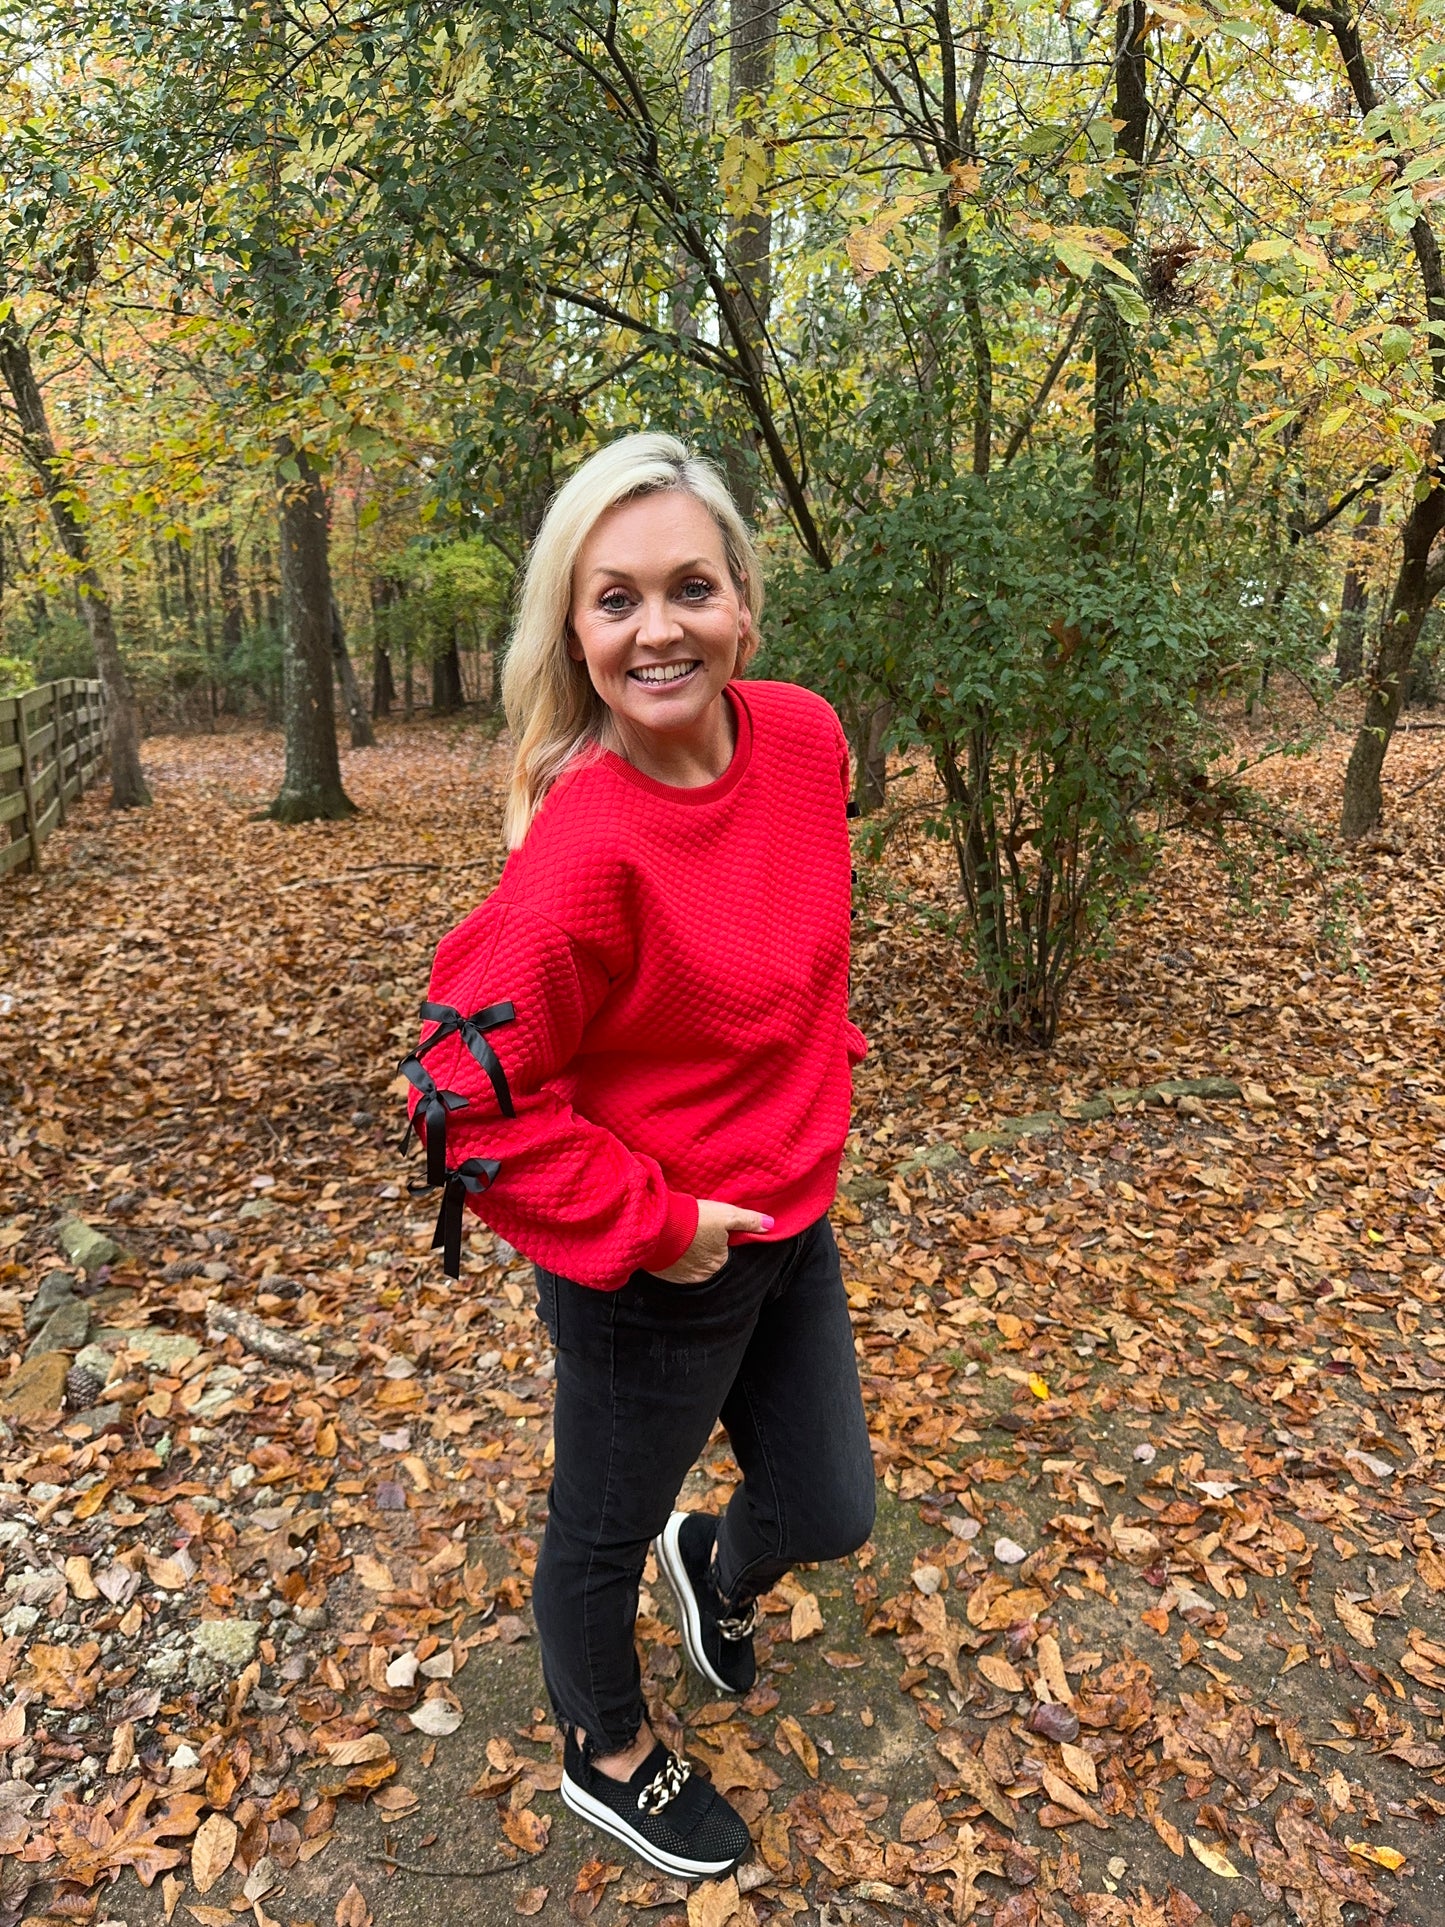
x,y
311,787
869,733
127,783
1111,331
1355,600
231,635
383,682
1418,583
1416,587
753,59
699,51
363,736
446,679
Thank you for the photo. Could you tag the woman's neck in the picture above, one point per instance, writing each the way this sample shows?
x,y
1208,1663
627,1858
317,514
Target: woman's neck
x,y
686,760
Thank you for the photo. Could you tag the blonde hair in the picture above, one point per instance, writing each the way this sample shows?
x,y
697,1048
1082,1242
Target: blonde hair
x,y
553,711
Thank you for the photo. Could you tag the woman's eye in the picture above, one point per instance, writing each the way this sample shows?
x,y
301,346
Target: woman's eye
x,y
698,590
614,602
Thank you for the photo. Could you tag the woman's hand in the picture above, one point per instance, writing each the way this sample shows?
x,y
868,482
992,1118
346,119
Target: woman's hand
x,y
708,1252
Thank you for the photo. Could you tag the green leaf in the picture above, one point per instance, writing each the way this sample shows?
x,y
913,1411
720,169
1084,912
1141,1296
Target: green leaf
x,y
1129,303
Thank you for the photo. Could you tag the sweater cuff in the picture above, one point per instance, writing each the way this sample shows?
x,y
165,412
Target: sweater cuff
x,y
678,1231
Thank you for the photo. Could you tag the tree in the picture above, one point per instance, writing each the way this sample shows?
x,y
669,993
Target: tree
x,y
1421,573
311,786
128,789
1355,596
363,736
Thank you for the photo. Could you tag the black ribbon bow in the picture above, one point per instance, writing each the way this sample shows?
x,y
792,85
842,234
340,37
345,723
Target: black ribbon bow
x,y
436,1103
472,1031
472,1177
432,1111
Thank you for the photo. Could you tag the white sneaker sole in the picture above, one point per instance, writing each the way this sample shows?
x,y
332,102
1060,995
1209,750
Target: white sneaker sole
x,y
669,1557
586,1807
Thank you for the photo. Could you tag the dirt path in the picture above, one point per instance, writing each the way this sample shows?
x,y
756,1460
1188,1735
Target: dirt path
x,y
1151,1630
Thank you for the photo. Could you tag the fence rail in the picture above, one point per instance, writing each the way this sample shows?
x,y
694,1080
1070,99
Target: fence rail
x,y
52,744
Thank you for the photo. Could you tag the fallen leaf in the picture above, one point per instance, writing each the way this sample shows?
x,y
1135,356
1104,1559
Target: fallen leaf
x,y
1390,1858
525,1829
436,1717
372,1573
998,1672
799,1745
212,1851
368,1746
1357,1624
531,1901
352,1910
972,1775
921,1821
712,1903
1079,1765
806,1619
1214,1858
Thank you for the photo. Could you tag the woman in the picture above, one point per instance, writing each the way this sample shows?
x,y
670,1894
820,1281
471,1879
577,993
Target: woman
x,y
649,1099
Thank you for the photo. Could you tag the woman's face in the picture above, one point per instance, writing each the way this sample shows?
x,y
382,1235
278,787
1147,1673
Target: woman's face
x,y
656,616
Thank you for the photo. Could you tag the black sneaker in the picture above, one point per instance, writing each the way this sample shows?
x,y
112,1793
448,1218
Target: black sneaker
x,y
667,1813
718,1642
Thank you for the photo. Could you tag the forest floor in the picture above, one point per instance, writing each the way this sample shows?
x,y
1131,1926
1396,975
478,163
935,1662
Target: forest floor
x,y
1152,1630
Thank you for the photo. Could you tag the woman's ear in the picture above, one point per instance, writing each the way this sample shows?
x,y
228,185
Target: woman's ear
x,y
574,647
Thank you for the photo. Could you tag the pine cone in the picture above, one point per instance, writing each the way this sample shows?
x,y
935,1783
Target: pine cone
x,y
82,1388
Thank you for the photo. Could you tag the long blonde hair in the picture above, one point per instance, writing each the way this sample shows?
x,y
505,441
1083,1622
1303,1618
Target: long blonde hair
x,y
553,711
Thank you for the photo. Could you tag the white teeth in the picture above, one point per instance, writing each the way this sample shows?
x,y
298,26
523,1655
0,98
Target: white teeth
x,y
664,672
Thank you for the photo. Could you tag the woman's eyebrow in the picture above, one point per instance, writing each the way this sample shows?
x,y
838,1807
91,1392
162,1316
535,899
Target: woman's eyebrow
x,y
675,568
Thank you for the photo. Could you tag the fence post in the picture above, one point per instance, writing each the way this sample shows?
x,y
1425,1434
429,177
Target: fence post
x,y
59,708
27,783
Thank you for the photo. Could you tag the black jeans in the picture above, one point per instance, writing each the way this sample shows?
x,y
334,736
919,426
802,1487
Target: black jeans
x,y
642,1375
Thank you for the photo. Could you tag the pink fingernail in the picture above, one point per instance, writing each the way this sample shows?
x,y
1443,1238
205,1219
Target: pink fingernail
x,y
767,1221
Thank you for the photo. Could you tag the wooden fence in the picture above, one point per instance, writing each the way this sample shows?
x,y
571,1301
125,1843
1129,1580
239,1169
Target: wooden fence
x,y
52,744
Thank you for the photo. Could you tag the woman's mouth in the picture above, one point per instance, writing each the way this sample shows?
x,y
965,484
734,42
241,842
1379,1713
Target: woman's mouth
x,y
663,675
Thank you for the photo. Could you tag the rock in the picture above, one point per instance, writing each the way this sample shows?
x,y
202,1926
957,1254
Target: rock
x,y
1009,1552
19,1621
65,1330
98,1360
99,1418
217,1272
933,1157
1011,1130
256,1208
161,1350
56,1289
85,1247
229,1642
37,1388
314,1618
1089,1110
864,1188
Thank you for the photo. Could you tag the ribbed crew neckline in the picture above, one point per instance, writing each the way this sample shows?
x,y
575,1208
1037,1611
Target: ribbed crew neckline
x,y
703,792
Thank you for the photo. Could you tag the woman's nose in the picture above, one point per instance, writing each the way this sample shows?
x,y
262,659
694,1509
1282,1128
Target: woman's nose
x,y
657,623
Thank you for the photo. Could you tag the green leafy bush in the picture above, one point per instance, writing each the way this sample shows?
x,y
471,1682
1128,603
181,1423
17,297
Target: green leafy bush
x,y
1059,687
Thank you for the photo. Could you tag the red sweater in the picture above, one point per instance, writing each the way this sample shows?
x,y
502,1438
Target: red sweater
x,y
677,962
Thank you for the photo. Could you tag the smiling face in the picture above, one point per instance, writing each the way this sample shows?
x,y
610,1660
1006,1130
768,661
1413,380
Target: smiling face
x,y
657,618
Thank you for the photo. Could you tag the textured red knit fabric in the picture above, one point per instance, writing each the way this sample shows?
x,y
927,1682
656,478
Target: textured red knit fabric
x,y
678,961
